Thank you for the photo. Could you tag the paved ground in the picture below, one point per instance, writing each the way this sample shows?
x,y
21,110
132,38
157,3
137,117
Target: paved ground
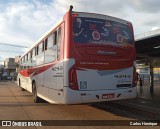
x,y
18,105
145,98
146,103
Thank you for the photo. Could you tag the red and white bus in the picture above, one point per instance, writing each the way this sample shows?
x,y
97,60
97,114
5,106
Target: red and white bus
x,y
84,58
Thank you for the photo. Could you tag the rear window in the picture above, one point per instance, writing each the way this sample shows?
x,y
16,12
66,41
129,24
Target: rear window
x,y
101,32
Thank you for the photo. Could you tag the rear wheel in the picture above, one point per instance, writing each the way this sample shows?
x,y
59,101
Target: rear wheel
x,y
22,89
36,99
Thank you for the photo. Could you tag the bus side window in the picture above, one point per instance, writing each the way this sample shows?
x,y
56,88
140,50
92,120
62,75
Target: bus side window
x,y
45,49
40,56
43,46
58,43
24,64
28,62
40,48
54,45
24,59
34,57
50,53
31,55
55,38
37,50
46,43
31,58
27,57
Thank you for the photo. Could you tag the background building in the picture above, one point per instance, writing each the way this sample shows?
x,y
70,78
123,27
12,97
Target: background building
x,y
1,71
9,66
10,69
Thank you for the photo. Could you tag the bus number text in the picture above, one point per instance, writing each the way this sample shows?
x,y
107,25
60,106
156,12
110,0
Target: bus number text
x,y
59,68
122,76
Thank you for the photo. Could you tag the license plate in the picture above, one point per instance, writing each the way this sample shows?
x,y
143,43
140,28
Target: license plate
x,y
108,96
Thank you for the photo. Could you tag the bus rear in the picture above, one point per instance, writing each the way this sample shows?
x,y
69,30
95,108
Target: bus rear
x,y
101,59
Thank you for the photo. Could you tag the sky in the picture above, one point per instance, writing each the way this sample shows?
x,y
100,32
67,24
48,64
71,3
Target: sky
x,y
23,22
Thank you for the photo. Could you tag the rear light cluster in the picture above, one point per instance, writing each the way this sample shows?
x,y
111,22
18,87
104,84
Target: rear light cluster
x,y
135,77
73,84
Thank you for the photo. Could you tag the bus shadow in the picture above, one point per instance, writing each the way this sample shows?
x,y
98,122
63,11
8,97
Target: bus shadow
x,y
107,106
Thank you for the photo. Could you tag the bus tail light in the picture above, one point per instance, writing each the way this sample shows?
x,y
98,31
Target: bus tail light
x,y
135,77
73,79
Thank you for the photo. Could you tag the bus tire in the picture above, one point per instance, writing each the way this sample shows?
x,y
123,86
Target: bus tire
x,y
36,99
22,89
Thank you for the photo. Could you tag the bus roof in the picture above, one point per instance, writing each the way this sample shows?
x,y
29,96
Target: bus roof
x,y
102,16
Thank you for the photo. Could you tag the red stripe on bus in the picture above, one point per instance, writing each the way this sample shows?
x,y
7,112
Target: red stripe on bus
x,y
35,71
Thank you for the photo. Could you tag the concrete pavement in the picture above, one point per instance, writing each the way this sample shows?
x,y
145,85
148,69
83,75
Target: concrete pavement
x,y
18,105
146,103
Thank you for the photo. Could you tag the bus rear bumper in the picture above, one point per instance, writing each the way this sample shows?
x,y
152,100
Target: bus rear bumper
x,y
78,97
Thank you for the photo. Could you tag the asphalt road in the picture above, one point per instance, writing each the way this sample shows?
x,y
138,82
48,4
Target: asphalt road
x,y
18,105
